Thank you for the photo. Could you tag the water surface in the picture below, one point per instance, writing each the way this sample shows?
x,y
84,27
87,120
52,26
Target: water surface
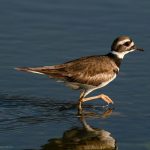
x,y
37,113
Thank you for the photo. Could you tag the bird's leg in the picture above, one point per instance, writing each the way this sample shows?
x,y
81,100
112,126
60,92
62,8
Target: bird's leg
x,y
83,99
80,102
102,96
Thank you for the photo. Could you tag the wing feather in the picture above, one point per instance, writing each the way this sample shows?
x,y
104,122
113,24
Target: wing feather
x,y
91,70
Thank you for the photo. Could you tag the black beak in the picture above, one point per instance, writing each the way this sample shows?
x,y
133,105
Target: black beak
x,y
139,49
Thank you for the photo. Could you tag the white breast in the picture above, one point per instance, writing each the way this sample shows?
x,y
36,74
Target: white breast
x,y
100,86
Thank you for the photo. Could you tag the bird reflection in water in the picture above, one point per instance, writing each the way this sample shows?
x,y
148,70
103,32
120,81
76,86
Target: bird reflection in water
x,y
83,138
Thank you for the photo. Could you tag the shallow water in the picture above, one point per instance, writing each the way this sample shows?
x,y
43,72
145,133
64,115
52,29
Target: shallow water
x,y
38,113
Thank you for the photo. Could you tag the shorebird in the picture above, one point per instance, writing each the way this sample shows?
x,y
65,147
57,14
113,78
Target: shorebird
x,y
91,72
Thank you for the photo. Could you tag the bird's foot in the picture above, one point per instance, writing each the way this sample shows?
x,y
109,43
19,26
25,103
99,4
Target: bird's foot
x,y
106,99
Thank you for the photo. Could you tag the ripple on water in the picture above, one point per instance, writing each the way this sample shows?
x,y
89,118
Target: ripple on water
x,y
19,111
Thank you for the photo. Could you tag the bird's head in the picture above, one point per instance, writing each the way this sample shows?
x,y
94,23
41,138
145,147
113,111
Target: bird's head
x,y
123,45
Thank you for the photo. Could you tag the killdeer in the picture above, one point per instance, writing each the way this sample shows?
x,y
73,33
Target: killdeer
x,y
89,73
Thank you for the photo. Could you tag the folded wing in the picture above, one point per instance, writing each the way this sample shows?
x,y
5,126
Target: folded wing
x,y
86,70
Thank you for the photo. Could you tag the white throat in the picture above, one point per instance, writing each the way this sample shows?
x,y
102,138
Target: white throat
x,y
122,54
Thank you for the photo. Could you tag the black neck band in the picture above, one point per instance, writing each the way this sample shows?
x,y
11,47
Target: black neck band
x,y
115,59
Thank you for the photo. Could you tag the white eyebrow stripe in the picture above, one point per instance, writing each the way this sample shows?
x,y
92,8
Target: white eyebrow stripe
x,y
132,44
123,41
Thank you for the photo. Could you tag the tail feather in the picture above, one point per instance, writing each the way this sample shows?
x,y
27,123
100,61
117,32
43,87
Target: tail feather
x,y
28,69
51,71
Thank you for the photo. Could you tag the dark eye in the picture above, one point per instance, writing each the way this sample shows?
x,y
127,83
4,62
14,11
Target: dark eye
x,y
126,44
